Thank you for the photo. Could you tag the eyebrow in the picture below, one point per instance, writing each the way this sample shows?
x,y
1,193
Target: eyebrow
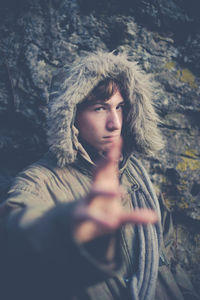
x,y
103,102
91,103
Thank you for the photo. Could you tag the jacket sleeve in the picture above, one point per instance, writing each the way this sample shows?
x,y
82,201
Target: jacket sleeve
x,y
38,247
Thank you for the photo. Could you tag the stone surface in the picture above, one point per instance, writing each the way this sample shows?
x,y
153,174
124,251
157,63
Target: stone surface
x,y
38,37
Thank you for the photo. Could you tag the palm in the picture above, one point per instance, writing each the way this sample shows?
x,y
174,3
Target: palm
x,y
101,211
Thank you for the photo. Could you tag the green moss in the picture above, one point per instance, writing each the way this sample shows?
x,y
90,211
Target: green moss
x,y
182,186
170,65
183,75
189,161
182,203
186,76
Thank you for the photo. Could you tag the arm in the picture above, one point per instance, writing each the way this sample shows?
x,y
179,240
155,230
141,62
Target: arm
x,y
39,239
57,242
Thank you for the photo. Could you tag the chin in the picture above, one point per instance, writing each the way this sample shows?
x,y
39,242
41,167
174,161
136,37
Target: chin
x,y
105,148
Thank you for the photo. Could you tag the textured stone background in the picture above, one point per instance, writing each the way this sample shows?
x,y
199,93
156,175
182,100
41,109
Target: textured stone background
x,y
38,37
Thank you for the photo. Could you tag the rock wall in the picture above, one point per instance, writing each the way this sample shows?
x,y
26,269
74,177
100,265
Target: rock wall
x,y
38,37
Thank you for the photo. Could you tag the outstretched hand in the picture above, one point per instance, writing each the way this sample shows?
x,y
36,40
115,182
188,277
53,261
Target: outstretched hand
x,y
101,211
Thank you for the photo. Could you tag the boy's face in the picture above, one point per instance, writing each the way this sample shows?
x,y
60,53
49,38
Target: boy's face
x,y
100,122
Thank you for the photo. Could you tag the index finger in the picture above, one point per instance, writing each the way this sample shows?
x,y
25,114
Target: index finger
x,y
106,171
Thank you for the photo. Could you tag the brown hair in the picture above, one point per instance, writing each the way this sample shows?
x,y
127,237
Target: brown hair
x,y
103,92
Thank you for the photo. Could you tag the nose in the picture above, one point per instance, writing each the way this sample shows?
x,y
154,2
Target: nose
x,y
114,121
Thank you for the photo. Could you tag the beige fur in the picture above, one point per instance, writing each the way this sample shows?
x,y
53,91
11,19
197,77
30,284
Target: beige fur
x,y
71,85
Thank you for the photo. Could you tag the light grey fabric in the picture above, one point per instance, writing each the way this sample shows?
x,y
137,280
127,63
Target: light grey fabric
x,y
150,238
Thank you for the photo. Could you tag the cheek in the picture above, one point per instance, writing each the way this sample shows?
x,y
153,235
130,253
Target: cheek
x,y
91,129
121,116
86,126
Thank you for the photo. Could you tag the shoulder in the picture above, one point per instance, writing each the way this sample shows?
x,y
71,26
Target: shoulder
x,y
42,171
47,182
36,177
30,180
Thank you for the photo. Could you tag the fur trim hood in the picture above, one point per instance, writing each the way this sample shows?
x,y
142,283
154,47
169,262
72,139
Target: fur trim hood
x,y
72,84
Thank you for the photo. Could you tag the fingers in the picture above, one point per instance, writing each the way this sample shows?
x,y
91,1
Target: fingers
x,y
114,151
101,211
113,221
91,224
139,216
105,174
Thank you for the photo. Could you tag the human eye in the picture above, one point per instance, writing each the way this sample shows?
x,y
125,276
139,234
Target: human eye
x,y
120,106
99,108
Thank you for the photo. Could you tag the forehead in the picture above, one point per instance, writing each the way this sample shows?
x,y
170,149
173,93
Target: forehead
x,y
115,99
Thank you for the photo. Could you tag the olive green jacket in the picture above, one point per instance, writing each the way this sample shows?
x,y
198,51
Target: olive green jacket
x,y
40,258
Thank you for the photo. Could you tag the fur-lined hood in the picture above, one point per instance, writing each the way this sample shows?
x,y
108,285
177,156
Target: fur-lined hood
x,y
71,85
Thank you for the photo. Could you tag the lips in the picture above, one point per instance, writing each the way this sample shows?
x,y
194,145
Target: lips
x,y
110,137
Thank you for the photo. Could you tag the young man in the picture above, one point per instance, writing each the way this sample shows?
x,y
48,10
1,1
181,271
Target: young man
x,y
69,225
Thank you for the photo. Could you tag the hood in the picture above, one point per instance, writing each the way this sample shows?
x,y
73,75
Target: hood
x,y
73,83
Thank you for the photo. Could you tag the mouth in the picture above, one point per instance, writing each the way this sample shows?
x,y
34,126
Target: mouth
x,y
110,137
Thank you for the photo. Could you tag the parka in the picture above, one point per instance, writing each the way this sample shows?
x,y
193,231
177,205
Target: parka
x,y
40,258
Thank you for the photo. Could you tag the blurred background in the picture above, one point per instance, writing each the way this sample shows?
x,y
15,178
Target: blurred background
x,y
38,37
